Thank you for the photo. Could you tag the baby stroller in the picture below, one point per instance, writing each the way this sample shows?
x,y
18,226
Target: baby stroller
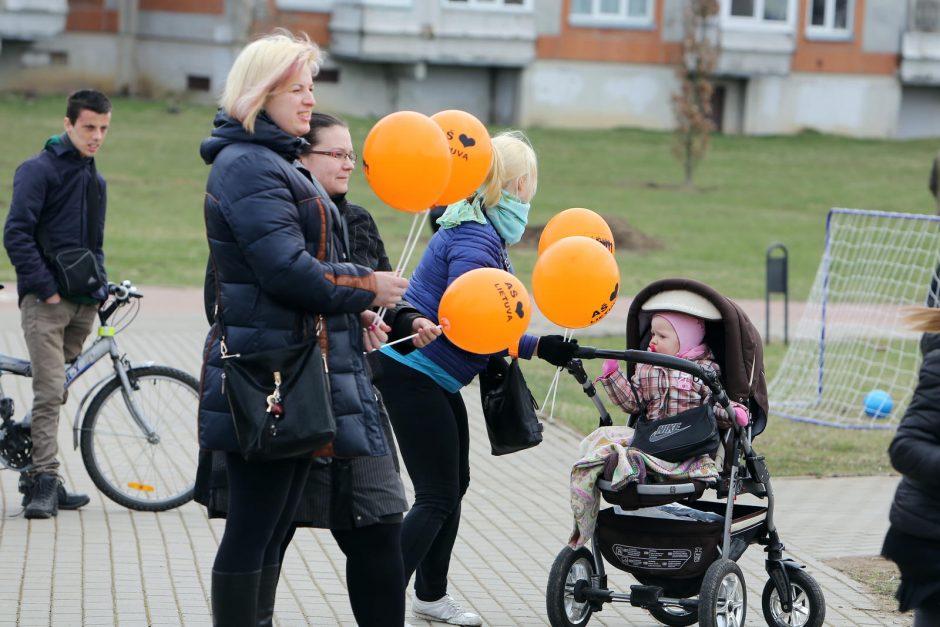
x,y
686,567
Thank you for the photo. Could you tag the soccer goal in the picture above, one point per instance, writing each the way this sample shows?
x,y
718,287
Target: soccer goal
x,y
850,339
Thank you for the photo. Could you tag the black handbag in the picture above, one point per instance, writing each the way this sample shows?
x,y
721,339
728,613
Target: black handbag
x,y
280,401
508,407
688,434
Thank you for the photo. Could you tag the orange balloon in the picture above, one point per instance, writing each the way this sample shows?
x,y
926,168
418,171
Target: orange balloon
x,y
407,161
576,221
485,310
575,282
471,153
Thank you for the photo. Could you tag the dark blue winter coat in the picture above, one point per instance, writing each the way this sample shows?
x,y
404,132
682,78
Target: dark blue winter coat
x,y
451,253
266,222
49,195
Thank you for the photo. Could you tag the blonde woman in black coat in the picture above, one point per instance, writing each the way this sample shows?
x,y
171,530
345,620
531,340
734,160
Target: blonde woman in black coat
x,y
913,540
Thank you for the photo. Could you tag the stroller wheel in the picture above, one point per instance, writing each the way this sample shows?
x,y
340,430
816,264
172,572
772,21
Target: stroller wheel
x,y
809,604
569,568
723,599
673,616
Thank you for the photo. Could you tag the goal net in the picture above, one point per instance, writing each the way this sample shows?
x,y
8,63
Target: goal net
x,y
850,338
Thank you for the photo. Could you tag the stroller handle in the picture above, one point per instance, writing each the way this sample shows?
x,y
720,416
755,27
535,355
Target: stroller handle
x,y
666,361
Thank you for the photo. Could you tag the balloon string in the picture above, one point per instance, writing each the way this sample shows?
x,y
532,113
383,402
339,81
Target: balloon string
x,y
414,242
402,339
567,334
414,234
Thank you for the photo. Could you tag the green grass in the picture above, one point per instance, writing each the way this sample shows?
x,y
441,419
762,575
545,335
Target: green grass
x,y
750,192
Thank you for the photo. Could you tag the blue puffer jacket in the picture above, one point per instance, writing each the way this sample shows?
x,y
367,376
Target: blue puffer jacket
x,y
266,221
451,253
49,195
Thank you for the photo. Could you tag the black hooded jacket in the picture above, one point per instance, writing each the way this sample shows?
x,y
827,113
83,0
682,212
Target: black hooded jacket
x,y
915,452
267,223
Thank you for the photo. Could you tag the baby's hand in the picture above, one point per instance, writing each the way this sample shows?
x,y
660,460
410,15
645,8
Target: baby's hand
x,y
610,367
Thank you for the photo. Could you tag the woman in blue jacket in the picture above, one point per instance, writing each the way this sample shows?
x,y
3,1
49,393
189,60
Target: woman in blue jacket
x,y
422,387
275,249
913,540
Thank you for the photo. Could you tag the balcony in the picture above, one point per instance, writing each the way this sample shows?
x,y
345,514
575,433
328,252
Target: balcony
x,y
431,31
920,44
28,20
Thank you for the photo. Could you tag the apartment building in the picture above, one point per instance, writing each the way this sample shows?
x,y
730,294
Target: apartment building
x,y
866,68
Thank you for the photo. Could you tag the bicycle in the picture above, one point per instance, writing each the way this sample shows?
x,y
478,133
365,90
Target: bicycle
x,y
137,437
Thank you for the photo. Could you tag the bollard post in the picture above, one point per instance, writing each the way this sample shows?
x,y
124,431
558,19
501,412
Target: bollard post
x,y
777,283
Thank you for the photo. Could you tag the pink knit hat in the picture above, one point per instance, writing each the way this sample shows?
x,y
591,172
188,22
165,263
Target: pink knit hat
x,y
689,329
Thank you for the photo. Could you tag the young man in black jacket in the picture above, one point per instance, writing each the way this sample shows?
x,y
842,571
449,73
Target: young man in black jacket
x,y
58,208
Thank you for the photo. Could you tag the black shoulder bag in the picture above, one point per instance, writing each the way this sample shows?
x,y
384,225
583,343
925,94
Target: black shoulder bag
x,y
688,434
508,407
280,399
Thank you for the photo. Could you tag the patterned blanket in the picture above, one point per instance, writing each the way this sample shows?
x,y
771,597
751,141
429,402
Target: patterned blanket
x,y
609,447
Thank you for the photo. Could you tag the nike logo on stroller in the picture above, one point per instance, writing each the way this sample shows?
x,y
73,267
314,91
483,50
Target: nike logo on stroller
x,y
664,431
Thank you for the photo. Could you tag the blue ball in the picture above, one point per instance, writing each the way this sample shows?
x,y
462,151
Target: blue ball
x,y
878,404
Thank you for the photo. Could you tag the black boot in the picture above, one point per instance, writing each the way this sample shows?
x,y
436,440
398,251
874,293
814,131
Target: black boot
x,y
44,497
267,590
235,599
67,500
70,500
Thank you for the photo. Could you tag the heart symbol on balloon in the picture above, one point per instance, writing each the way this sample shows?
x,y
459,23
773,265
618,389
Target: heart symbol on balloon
x,y
520,309
467,141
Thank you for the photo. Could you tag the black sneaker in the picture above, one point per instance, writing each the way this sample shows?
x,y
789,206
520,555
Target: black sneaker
x,y
71,500
44,499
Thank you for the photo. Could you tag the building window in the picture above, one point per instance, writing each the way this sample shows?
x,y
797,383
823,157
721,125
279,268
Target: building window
x,y
489,4
618,13
830,19
759,13
312,6
198,83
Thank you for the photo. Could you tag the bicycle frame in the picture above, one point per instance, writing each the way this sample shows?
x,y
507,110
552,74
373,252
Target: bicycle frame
x,y
106,344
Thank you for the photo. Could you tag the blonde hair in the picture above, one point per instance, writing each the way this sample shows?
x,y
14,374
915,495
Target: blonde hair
x,y
925,319
513,158
263,66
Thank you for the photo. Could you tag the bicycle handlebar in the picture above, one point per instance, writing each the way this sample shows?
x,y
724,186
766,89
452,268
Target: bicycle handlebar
x,y
123,291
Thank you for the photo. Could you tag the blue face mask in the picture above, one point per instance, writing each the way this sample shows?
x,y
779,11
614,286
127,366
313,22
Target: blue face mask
x,y
509,217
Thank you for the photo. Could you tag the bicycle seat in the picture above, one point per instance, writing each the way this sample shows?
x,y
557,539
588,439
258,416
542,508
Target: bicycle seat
x,y
16,365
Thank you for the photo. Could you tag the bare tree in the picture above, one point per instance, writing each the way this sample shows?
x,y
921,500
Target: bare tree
x,y
692,104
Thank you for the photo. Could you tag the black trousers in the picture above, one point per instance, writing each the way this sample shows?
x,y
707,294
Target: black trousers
x,y
262,499
431,428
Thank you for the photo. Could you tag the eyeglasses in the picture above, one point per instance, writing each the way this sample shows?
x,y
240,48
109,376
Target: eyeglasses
x,y
336,154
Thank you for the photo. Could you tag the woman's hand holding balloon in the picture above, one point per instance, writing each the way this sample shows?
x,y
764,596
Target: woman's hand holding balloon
x,y
373,335
426,332
389,289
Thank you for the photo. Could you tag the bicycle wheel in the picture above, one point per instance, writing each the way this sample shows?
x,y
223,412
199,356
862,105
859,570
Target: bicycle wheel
x,y
146,474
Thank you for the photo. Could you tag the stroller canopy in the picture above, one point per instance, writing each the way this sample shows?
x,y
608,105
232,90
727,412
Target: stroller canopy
x,y
734,340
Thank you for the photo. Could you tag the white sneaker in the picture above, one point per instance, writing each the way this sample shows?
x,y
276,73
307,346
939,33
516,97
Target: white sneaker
x,y
444,610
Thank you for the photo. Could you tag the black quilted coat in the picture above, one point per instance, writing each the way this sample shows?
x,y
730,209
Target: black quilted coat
x,y
266,222
915,452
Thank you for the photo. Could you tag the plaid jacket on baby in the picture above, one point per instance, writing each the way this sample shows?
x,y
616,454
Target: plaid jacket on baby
x,y
664,391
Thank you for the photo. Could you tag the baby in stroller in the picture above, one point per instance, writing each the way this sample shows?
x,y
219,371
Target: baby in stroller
x,y
683,559
653,392
660,392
